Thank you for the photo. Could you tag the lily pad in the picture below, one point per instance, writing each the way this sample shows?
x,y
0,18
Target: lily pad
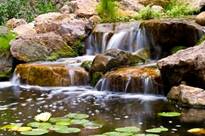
x,y
146,135
169,114
77,116
22,129
43,117
65,130
92,125
117,134
59,119
43,125
128,129
63,123
157,130
82,122
35,132
16,127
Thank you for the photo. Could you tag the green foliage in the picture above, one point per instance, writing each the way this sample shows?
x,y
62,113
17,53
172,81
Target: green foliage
x,y
24,9
177,8
107,9
5,37
148,13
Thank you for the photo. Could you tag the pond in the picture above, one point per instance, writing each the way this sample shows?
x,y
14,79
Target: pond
x,y
19,104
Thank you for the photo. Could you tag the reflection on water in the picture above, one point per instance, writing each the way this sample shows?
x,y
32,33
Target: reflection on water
x,y
111,109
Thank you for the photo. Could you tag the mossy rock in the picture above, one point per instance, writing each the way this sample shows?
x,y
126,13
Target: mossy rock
x,y
51,75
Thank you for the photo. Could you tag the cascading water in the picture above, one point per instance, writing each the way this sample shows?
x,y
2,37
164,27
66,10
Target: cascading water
x,y
129,39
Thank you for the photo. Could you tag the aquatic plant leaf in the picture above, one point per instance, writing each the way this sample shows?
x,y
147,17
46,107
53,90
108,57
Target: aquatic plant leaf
x,y
43,125
63,123
9,127
22,129
64,129
77,116
117,134
128,129
146,135
43,117
35,132
157,130
169,114
92,125
82,122
151,135
12,127
59,119
198,131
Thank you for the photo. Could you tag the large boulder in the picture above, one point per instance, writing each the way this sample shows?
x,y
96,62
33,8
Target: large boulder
x,y
51,75
187,95
162,3
157,35
13,23
50,21
72,29
184,66
46,46
86,8
200,19
131,79
25,29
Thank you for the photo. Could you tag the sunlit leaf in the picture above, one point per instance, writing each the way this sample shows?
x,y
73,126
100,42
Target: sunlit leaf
x,y
43,117
77,116
157,130
35,132
169,114
199,131
128,129
22,129
63,123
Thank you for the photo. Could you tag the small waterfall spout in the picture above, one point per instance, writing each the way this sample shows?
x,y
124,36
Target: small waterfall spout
x,y
131,80
15,80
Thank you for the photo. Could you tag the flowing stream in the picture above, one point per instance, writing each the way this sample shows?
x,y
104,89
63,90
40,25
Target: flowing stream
x,y
19,103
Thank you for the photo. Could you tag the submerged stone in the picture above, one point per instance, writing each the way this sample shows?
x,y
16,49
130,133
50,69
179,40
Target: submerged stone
x,y
132,79
51,75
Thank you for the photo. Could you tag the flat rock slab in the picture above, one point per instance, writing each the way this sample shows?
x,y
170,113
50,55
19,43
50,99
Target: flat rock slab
x,y
51,75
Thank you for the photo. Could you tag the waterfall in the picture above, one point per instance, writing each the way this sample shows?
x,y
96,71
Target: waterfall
x,y
129,38
146,86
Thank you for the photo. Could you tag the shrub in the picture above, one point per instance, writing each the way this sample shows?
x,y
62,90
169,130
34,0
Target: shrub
x,y
27,9
148,13
177,8
5,37
107,10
